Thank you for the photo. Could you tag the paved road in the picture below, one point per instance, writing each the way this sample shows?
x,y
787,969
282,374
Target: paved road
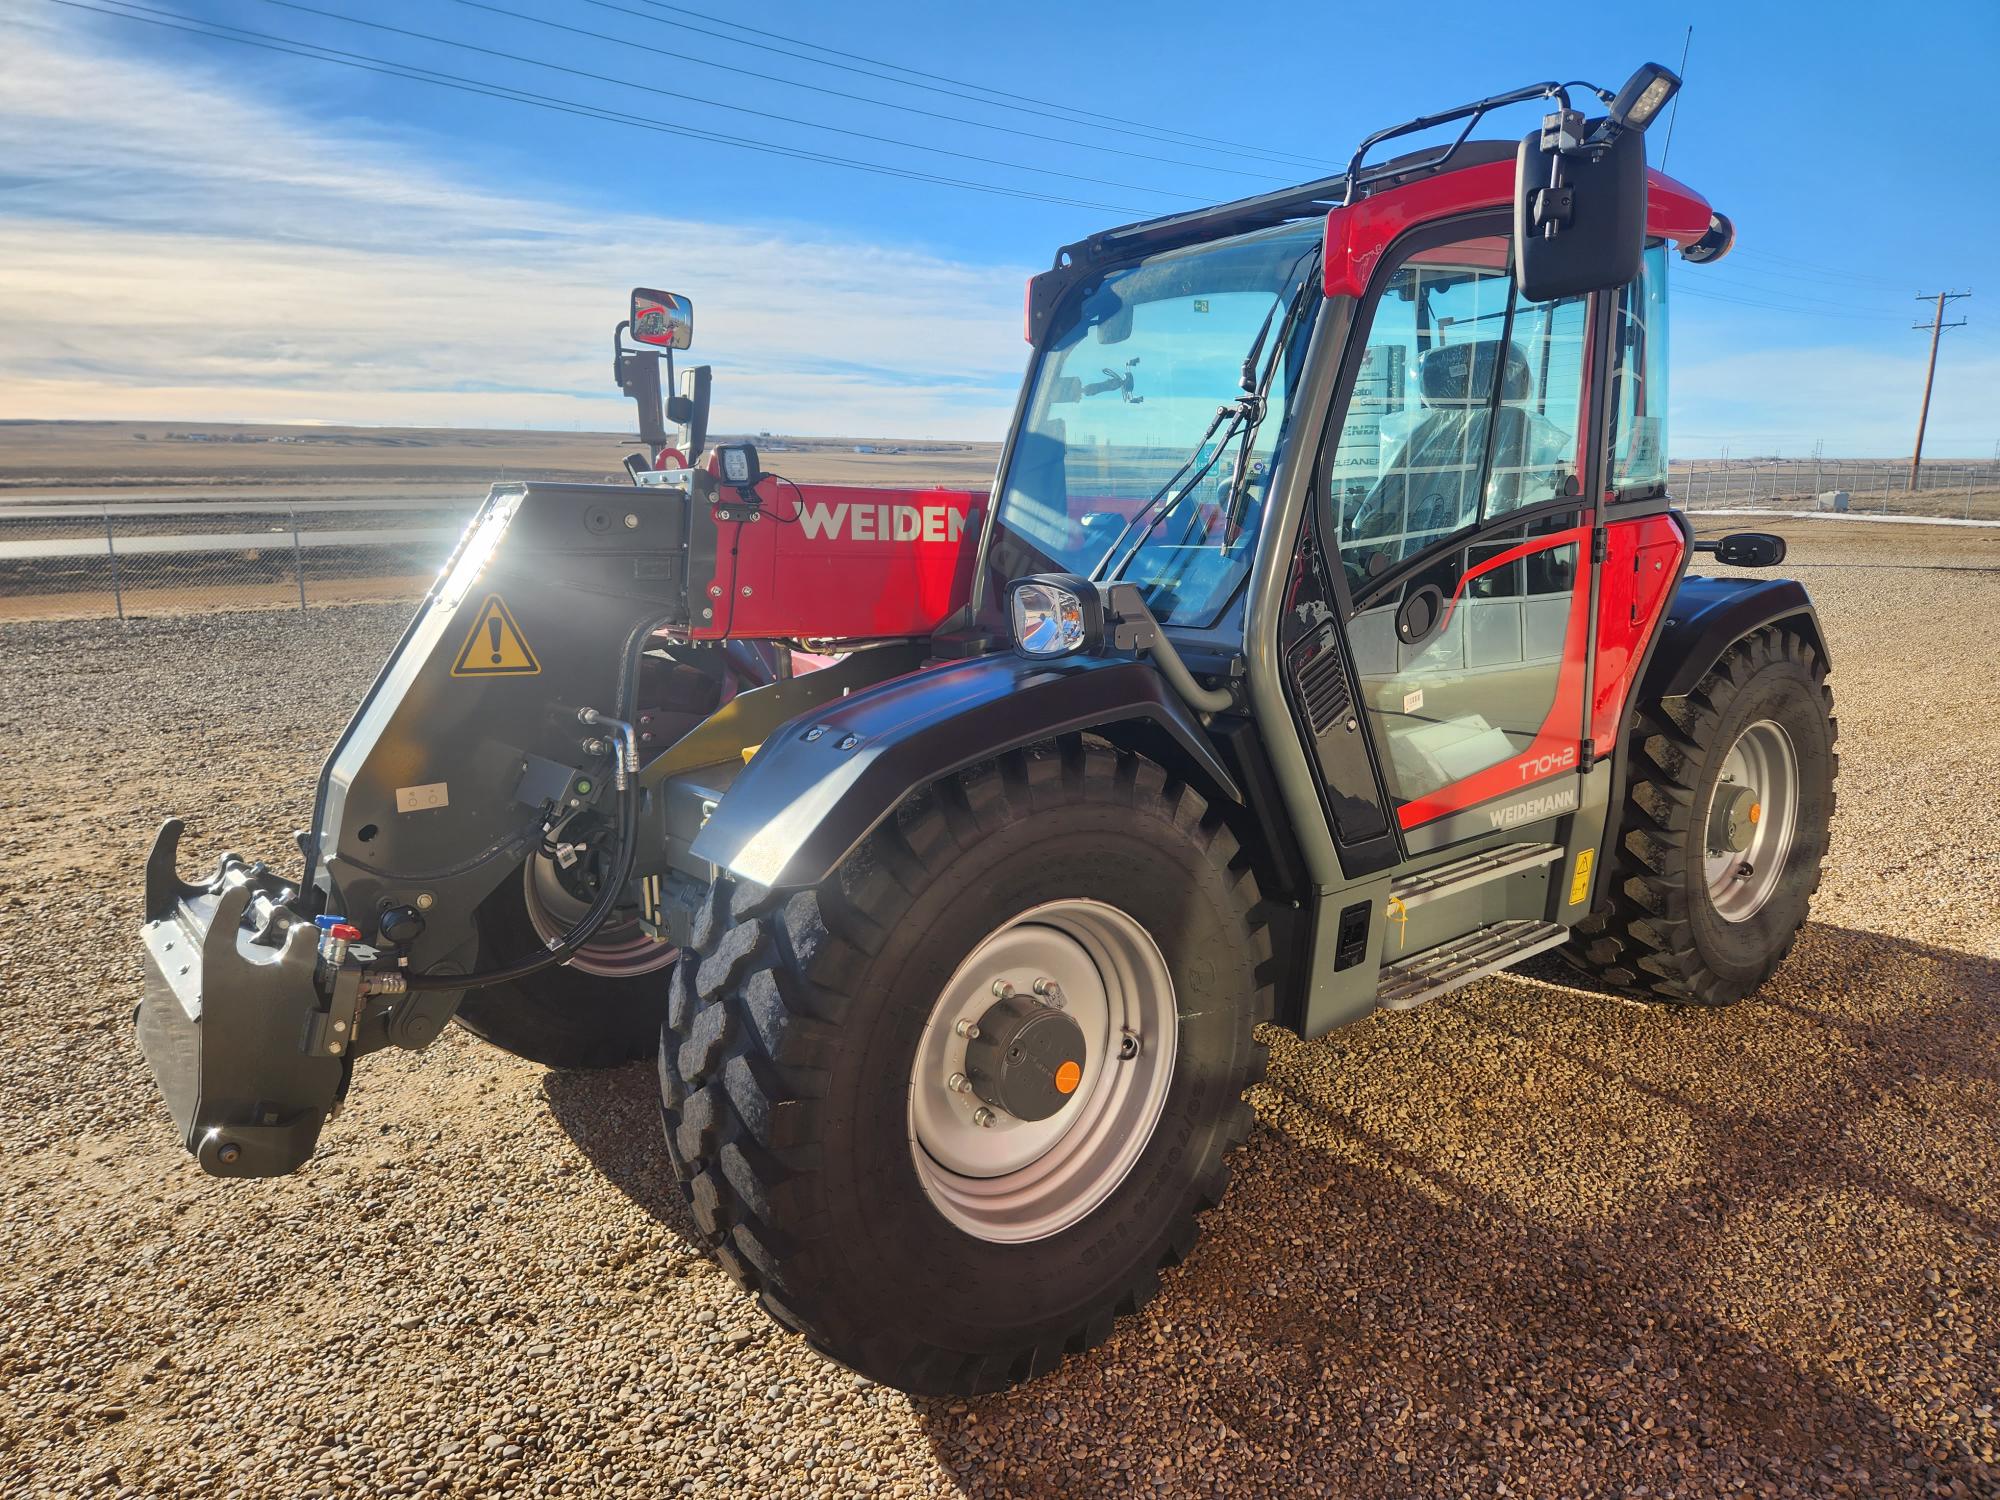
x,y
278,539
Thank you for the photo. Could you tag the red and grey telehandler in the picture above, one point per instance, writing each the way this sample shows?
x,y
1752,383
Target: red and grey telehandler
x,y
1324,644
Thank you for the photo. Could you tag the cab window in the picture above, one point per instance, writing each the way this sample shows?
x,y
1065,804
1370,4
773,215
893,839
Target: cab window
x,y
1467,406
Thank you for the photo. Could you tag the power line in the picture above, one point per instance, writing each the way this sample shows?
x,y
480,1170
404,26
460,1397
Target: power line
x,y
1938,326
910,109
1816,268
1023,102
367,63
762,114
1722,281
1803,312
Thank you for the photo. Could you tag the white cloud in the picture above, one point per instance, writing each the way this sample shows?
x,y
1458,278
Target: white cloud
x,y
173,247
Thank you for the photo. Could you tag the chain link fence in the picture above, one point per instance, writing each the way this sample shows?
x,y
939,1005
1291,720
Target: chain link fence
x,y
128,560
1949,489
124,561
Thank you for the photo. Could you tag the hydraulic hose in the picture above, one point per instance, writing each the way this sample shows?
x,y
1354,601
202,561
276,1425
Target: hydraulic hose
x,y
577,936
625,750
1201,699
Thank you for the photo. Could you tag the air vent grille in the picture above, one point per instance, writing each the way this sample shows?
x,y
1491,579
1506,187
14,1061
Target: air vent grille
x,y
1322,683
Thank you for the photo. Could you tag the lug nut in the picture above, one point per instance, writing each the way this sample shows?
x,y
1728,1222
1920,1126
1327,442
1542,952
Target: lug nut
x,y
983,1117
1050,993
1002,989
958,1083
967,1029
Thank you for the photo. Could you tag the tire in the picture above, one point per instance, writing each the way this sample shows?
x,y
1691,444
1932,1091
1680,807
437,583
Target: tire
x,y
561,1017
1657,930
568,1017
787,1066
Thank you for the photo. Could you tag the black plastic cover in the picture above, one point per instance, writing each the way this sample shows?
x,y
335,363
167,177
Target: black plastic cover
x,y
1709,615
817,789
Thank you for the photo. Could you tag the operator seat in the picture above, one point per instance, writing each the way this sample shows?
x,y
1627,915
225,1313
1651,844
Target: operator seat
x,y
1431,489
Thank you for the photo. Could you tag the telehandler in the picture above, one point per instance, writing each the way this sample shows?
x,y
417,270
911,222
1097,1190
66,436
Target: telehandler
x,y
1324,644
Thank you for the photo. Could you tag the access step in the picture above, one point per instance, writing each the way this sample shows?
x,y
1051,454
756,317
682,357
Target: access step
x,y
1475,869
1438,971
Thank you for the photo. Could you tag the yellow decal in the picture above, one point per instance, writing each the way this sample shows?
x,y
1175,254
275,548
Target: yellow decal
x,y
1579,883
1397,913
495,647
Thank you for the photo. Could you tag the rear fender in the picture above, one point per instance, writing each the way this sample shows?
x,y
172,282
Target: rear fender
x,y
1709,615
814,792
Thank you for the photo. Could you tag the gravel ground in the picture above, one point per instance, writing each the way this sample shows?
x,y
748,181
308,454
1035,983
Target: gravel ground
x,y
1525,1241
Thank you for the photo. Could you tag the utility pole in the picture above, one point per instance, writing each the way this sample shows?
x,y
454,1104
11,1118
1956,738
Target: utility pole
x,y
1938,326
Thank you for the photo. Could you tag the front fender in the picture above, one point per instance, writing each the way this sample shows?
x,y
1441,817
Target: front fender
x,y
1709,615
820,786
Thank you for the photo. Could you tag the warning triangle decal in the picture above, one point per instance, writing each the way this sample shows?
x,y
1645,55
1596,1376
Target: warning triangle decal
x,y
495,646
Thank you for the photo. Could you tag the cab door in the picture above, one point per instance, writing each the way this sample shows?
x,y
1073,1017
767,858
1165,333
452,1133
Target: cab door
x,y
1451,496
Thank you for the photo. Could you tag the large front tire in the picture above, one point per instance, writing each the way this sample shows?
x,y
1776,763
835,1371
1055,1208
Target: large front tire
x,y
1685,915
797,1035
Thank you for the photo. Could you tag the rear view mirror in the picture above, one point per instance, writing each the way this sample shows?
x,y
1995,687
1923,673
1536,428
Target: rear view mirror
x,y
1750,549
662,319
1579,211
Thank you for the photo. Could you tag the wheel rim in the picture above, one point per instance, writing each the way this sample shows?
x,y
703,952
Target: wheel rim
x,y
617,950
1764,764
1014,1180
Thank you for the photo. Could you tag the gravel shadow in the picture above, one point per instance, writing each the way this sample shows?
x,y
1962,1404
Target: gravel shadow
x,y
1439,1336
614,1118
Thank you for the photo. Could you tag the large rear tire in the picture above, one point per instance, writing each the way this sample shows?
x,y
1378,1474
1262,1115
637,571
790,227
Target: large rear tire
x,y
566,1017
1727,811
860,1197
604,1007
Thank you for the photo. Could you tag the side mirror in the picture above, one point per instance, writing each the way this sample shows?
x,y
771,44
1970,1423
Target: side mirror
x,y
1746,549
662,319
1579,210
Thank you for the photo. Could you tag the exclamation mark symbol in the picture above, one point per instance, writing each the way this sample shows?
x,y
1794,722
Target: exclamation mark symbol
x,y
493,635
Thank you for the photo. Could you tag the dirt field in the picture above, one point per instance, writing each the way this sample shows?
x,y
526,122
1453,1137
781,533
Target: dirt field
x,y
1525,1241
113,456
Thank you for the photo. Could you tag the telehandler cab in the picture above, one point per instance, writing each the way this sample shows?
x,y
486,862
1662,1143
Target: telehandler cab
x,y
1323,645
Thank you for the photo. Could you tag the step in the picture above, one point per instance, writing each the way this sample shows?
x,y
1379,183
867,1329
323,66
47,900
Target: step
x,y
1474,869
1408,983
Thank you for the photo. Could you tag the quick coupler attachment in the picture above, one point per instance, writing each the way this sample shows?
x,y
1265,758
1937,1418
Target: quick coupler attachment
x,y
250,1012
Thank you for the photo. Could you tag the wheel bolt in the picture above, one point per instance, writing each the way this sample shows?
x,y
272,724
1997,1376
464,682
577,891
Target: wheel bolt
x,y
1002,989
958,1083
983,1117
1050,993
967,1029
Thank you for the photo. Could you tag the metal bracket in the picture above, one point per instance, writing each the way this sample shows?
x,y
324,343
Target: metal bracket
x,y
331,1032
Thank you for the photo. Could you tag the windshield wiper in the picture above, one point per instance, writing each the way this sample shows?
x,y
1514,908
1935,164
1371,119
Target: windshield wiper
x,y
1153,512
1260,392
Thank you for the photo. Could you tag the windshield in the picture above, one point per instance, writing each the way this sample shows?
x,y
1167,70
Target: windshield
x,y
1125,388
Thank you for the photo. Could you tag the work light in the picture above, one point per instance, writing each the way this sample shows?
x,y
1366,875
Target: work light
x,y
1055,614
1645,94
739,464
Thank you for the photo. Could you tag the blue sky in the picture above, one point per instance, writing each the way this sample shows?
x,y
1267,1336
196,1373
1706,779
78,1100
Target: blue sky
x,y
195,229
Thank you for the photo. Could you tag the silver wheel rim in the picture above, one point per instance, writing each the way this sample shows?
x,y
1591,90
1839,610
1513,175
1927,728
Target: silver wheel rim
x,y
1015,1180
1740,881
618,950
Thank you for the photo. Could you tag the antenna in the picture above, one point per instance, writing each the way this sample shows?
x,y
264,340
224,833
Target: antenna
x,y
1667,150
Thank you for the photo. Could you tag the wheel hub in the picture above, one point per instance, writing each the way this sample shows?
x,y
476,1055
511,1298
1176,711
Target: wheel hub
x,y
1042,1071
1738,810
1752,815
1026,1057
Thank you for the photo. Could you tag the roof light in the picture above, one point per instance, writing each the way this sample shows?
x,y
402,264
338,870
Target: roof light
x,y
1645,94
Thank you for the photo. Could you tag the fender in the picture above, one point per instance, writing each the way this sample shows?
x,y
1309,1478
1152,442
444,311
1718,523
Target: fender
x,y
818,788
1709,615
